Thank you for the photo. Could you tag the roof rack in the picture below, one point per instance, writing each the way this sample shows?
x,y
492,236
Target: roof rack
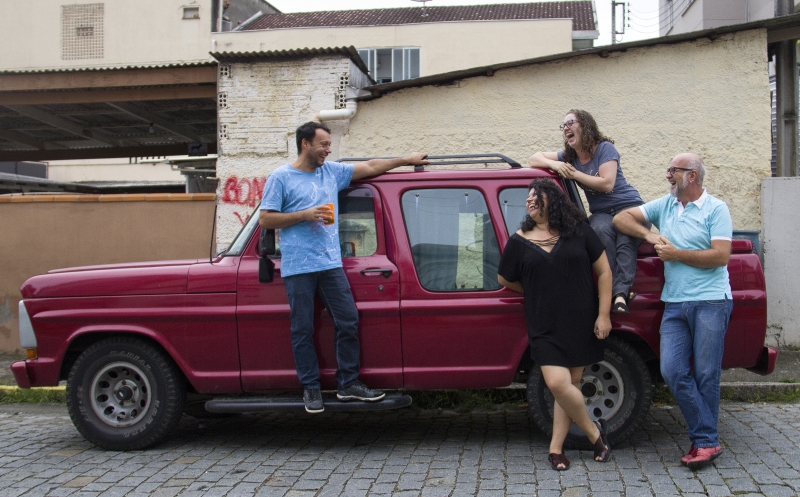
x,y
448,160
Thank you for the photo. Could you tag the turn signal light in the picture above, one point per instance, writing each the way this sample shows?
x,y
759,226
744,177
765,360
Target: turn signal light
x,y
31,354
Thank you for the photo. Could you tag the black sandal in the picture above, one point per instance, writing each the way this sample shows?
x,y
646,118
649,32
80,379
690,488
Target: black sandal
x,y
601,447
556,459
620,305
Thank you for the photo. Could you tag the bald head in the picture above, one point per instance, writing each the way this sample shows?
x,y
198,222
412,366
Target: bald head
x,y
691,161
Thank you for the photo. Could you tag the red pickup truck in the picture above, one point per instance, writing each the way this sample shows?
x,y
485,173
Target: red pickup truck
x,y
420,249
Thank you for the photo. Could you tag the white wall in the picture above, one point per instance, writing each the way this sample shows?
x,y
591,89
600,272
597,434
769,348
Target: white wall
x,y
140,32
266,102
443,46
780,205
110,170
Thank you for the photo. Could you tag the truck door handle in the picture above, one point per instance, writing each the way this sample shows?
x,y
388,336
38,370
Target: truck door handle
x,y
386,272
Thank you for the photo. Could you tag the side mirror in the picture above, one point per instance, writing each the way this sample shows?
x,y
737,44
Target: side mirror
x,y
266,270
266,242
266,248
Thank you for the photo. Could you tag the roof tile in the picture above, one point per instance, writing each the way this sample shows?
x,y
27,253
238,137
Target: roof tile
x,y
580,11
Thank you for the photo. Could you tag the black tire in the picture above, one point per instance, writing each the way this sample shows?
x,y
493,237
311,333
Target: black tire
x,y
125,394
618,389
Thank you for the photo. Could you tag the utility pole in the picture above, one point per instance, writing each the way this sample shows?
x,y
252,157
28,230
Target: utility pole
x,y
614,31
787,104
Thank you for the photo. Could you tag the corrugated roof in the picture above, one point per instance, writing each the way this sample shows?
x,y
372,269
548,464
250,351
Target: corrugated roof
x,y
579,11
350,52
111,68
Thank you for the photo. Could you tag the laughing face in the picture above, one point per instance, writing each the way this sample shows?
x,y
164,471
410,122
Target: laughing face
x,y
678,178
536,206
573,133
319,148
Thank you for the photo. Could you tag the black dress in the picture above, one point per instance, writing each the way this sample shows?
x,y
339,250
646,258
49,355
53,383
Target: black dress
x,y
561,299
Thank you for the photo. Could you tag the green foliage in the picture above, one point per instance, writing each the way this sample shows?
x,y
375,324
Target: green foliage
x,y
465,400
46,395
662,396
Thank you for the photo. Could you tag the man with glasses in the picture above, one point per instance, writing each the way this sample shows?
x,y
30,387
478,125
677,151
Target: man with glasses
x,y
695,245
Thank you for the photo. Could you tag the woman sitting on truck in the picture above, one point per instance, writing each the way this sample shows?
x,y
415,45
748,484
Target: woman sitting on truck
x,y
589,157
550,261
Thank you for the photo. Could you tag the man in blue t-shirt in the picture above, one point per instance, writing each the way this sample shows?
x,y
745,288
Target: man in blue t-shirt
x,y
297,200
695,245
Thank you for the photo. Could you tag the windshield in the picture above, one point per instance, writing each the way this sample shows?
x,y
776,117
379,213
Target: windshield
x,y
237,246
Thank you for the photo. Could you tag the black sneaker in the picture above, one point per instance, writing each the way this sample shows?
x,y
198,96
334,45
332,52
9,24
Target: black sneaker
x,y
359,391
313,400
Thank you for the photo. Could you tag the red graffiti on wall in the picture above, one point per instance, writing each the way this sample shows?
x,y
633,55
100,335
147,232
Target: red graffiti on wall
x,y
244,191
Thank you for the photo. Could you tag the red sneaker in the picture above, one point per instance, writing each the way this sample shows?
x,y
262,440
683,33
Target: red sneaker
x,y
689,455
703,457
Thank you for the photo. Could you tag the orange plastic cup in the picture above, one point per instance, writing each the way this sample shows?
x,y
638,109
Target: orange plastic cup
x,y
329,220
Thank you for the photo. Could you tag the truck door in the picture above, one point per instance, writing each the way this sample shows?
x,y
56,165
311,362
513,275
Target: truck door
x,y
461,329
263,310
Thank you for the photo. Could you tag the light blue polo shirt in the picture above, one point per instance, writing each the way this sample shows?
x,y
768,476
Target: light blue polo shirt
x,y
308,246
692,228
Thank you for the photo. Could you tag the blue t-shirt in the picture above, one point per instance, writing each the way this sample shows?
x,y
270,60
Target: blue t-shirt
x,y
308,246
692,228
623,195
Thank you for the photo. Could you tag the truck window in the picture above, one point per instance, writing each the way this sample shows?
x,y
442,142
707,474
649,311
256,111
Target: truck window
x,y
357,232
512,203
452,239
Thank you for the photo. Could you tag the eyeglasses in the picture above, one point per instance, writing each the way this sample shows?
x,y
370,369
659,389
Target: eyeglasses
x,y
671,170
567,124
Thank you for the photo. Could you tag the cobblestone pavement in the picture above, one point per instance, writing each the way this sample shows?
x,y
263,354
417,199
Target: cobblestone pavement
x,y
402,453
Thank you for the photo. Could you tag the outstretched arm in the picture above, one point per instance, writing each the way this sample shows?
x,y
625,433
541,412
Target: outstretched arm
x,y
549,160
374,167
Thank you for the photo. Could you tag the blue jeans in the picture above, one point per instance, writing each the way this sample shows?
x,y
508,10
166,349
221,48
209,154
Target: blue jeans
x,y
621,251
333,289
695,329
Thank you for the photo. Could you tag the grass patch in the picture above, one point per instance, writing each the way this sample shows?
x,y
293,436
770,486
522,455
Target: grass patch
x,y
785,396
41,395
662,396
788,380
465,400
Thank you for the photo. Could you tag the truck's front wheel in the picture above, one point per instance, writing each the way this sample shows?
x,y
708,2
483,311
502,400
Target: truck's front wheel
x,y
618,389
125,394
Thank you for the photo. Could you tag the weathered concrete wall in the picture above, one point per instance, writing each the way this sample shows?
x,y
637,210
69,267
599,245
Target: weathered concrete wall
x,y
266,101
444,46
780,203
44,232
710,97
144,32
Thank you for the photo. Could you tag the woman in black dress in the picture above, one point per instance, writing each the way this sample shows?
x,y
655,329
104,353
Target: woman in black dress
x,y
550,260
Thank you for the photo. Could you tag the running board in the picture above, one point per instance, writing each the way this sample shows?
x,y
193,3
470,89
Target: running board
x,y
295,404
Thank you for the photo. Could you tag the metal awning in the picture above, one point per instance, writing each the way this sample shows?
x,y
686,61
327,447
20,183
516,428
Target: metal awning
x,y
104,113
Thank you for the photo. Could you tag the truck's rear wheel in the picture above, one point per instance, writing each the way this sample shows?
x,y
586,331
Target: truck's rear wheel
x,y
618,389
125,394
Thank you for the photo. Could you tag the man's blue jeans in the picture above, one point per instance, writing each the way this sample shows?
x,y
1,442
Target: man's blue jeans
x,y
333,289
695,330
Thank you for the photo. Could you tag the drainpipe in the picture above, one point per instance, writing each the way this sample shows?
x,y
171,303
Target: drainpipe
x,y
351,106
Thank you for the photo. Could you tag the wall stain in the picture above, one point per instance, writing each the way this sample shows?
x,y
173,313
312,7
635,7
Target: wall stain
x,y
6,313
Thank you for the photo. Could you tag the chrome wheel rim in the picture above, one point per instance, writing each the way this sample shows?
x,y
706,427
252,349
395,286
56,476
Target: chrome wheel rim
x,y
603,390
120,394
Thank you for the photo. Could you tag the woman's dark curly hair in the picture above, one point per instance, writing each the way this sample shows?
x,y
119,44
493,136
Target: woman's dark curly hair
x,y
590,138
562,215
